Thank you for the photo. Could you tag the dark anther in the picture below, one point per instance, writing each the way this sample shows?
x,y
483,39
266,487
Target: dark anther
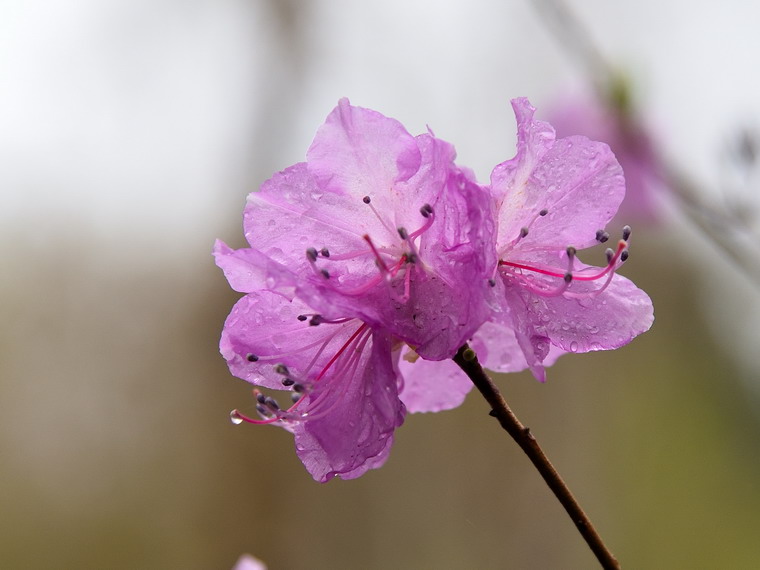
x,y
543,212
302,317
288,381
272,403
523,232
261,398
492,282
624,255
626,232
568,277
295,396
281,369
325,273
426,210
411,258
609,253
325,252
366,199
298,388
311,254
403,233
263,410
602,236
571,251
251,357
315,320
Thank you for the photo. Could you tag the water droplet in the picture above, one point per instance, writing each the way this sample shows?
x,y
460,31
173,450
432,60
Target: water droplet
x,y
573,346
235,418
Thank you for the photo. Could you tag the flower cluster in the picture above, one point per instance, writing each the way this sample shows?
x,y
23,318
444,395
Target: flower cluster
x,y
372,262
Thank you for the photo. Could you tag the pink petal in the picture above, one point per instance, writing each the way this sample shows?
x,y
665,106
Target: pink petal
x,y
587,323
248,270
578,181
431,386
359,152
265,325
355,435
291,213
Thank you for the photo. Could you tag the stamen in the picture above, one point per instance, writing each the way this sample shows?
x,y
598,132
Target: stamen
x,y
325,252
523,232
426,210
251,357
602,236
378,259
624,255
325,273
543,212
315,320
626,232
367,201
311,254
302,317
288,381
281,369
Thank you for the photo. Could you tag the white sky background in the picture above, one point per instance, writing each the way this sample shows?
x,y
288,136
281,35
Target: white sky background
x,y
134,120
121,111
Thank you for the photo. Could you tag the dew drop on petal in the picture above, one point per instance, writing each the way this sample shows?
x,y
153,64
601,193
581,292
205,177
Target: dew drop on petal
x,y
573,346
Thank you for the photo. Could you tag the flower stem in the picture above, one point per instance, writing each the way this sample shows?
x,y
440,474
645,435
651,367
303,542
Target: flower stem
x,y
468,362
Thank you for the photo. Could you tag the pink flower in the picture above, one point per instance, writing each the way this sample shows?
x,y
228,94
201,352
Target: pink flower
x,y
553,198
248,562
377,245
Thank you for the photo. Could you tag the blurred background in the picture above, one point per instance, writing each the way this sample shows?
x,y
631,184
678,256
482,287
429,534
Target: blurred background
x,y
131,132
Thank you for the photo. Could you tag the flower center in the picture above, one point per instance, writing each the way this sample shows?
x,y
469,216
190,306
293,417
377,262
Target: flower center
x,y
392,259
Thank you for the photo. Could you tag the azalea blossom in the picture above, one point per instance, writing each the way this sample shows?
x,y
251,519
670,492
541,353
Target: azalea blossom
x,y
371,256
553,199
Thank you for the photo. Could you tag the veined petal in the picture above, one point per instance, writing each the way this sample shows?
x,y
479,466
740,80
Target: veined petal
x,y
431,386
263,330
291,213
355,435
249,270
579,320
577,182
359,152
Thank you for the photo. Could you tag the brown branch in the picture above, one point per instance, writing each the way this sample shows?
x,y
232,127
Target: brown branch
x,y
468,362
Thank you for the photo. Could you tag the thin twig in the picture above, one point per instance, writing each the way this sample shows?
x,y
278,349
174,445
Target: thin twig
x,y
468,362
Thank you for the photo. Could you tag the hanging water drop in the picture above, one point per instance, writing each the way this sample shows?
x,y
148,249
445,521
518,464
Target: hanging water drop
x,y
235,418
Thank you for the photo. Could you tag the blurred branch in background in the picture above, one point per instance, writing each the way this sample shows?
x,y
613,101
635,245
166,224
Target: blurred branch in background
x,y
730,224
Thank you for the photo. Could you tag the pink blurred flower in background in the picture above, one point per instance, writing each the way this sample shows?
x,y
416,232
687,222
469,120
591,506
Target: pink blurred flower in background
x,y
612,120
248,562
